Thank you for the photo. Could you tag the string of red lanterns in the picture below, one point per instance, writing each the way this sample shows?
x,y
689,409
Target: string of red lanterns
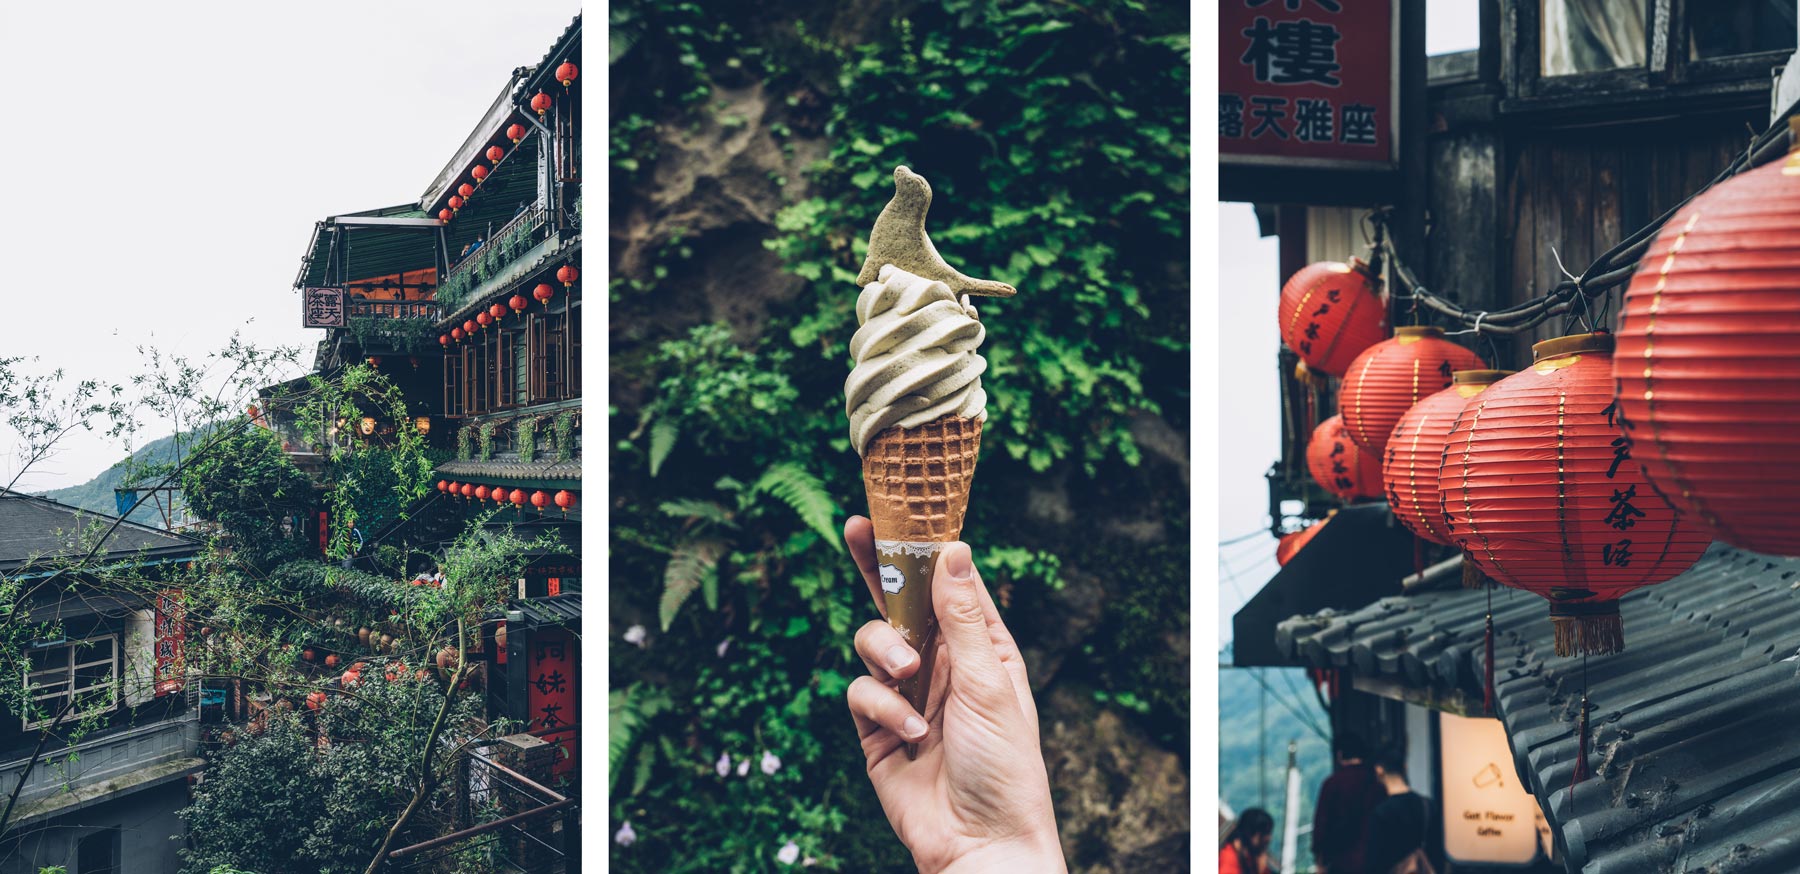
x,y
564,499
1415,452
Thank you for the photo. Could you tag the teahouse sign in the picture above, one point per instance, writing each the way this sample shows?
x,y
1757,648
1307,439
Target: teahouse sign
x,y
1309,83
1488,817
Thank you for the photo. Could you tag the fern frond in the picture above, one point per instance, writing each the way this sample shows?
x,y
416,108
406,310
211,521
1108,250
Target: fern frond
x,y
793,485
689,568
691,508
662,441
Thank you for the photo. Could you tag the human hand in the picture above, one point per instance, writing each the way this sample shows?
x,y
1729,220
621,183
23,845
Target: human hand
x,y
977,798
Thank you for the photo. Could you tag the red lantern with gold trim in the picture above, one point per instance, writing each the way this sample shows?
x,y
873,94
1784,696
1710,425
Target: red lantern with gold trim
x,y
443,339
469,327
1339,465
1708,368
445,215
495,153
481,493
518,303
543,293
468,490
540,103
565,500
517,497
1389,377
456,333
566,73
483,319
1409,464
567,274
456,201
498,311
1540,494
479,172
540,499
1330,312
466,190
1290,544
515,132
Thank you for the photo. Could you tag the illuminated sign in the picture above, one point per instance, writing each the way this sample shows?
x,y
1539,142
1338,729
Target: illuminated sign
x,y
1488,816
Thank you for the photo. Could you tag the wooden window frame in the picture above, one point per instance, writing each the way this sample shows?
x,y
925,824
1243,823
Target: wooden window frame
x,y
69,671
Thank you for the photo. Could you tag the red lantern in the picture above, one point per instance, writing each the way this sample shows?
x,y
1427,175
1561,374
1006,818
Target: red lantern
x,y
479,171
567,274
565,500
543,293
1708,372
443,339
515,132
495,153
1542,499
466,190
565,73
468,490
541,103
1390,376
540,499
481,493
309,654
469,327
518,303
1339,465
498,311
484,319
1330,312
1409,467
517,497
315,700
441,485
1293,543
445,215
331,661
456,333
456,201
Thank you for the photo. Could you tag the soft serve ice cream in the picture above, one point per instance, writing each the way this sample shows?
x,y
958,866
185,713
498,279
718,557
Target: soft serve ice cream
x,y
915,357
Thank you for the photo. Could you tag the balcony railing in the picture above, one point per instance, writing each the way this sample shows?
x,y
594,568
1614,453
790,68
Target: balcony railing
x,y
364,308
518,825
135,752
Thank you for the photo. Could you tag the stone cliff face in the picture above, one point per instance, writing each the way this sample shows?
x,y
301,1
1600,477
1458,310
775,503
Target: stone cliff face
x,y
1121,787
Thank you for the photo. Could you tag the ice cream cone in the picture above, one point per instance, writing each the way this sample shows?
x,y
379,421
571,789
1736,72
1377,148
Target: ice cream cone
x,y
918,482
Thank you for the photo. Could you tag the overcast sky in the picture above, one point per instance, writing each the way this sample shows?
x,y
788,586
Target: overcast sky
x,y
164,169
1249,415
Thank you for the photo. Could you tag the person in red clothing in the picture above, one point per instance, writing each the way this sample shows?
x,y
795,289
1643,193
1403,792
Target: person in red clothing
x,y
1346,801
1246,849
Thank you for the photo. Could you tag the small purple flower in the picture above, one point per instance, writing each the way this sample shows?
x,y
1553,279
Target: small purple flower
x,y
723,646
743,767
626,837
635,635
789,853
770,763
724,765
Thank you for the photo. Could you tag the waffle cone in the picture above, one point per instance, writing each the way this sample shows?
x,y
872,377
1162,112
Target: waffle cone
x,y
918,479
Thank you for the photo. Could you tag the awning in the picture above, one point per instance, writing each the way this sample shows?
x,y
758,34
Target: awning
x,y
368,246
1695,726
1359,556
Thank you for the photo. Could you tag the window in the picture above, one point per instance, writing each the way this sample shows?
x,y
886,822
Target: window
x,y
1723,28
1590,36
98,853
85,668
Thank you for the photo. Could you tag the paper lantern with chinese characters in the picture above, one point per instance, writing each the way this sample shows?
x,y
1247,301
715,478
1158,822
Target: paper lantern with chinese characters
x,y
518,303
478,171
1339,465
1389,377
456,201
567,274
445,215
1330,312
1409,464
565,500
495,153
457,333
540,499
515,132
469,328
565,73
540,103
543,292
517,497
483,319
466,190
1541,494
1708,365
1290,544
481,493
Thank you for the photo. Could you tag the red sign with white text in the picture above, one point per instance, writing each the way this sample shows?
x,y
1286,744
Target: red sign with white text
x,y
1308,82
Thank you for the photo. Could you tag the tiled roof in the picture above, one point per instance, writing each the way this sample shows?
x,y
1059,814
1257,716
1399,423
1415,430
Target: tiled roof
x,y
34,528
508,471
556,610
1695,726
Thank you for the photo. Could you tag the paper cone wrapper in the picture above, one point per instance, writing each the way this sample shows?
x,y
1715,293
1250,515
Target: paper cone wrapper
x,y
918,481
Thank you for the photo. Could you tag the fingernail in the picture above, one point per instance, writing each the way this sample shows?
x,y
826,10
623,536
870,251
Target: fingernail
x,y
899,656
959,562
913,728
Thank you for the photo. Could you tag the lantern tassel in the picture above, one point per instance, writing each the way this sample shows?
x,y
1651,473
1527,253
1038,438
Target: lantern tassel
x,y
1487,694
1588,628
1473,578
1581,736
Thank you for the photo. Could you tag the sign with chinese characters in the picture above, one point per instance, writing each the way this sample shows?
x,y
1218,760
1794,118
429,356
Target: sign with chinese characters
x,y
1488,817
1309,83
550,658
170,635
322,307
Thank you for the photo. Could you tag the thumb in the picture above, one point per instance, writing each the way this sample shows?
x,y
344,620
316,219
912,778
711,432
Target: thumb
x,y
964,624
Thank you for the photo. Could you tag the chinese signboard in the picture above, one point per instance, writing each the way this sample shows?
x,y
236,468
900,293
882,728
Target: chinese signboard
x,y
1488,816
322,307
170,634
550,690
1309,83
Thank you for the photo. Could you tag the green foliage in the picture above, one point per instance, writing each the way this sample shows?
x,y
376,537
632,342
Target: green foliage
x,y
248,485
1055,139
484,444
564,433
525,438
465,443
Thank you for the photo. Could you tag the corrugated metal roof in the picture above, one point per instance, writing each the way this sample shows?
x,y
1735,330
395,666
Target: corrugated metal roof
x,y
556,610
1695,726
372,251
34,529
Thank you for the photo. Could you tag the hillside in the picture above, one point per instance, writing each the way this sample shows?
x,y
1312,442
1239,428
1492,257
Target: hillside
x,y
97,494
